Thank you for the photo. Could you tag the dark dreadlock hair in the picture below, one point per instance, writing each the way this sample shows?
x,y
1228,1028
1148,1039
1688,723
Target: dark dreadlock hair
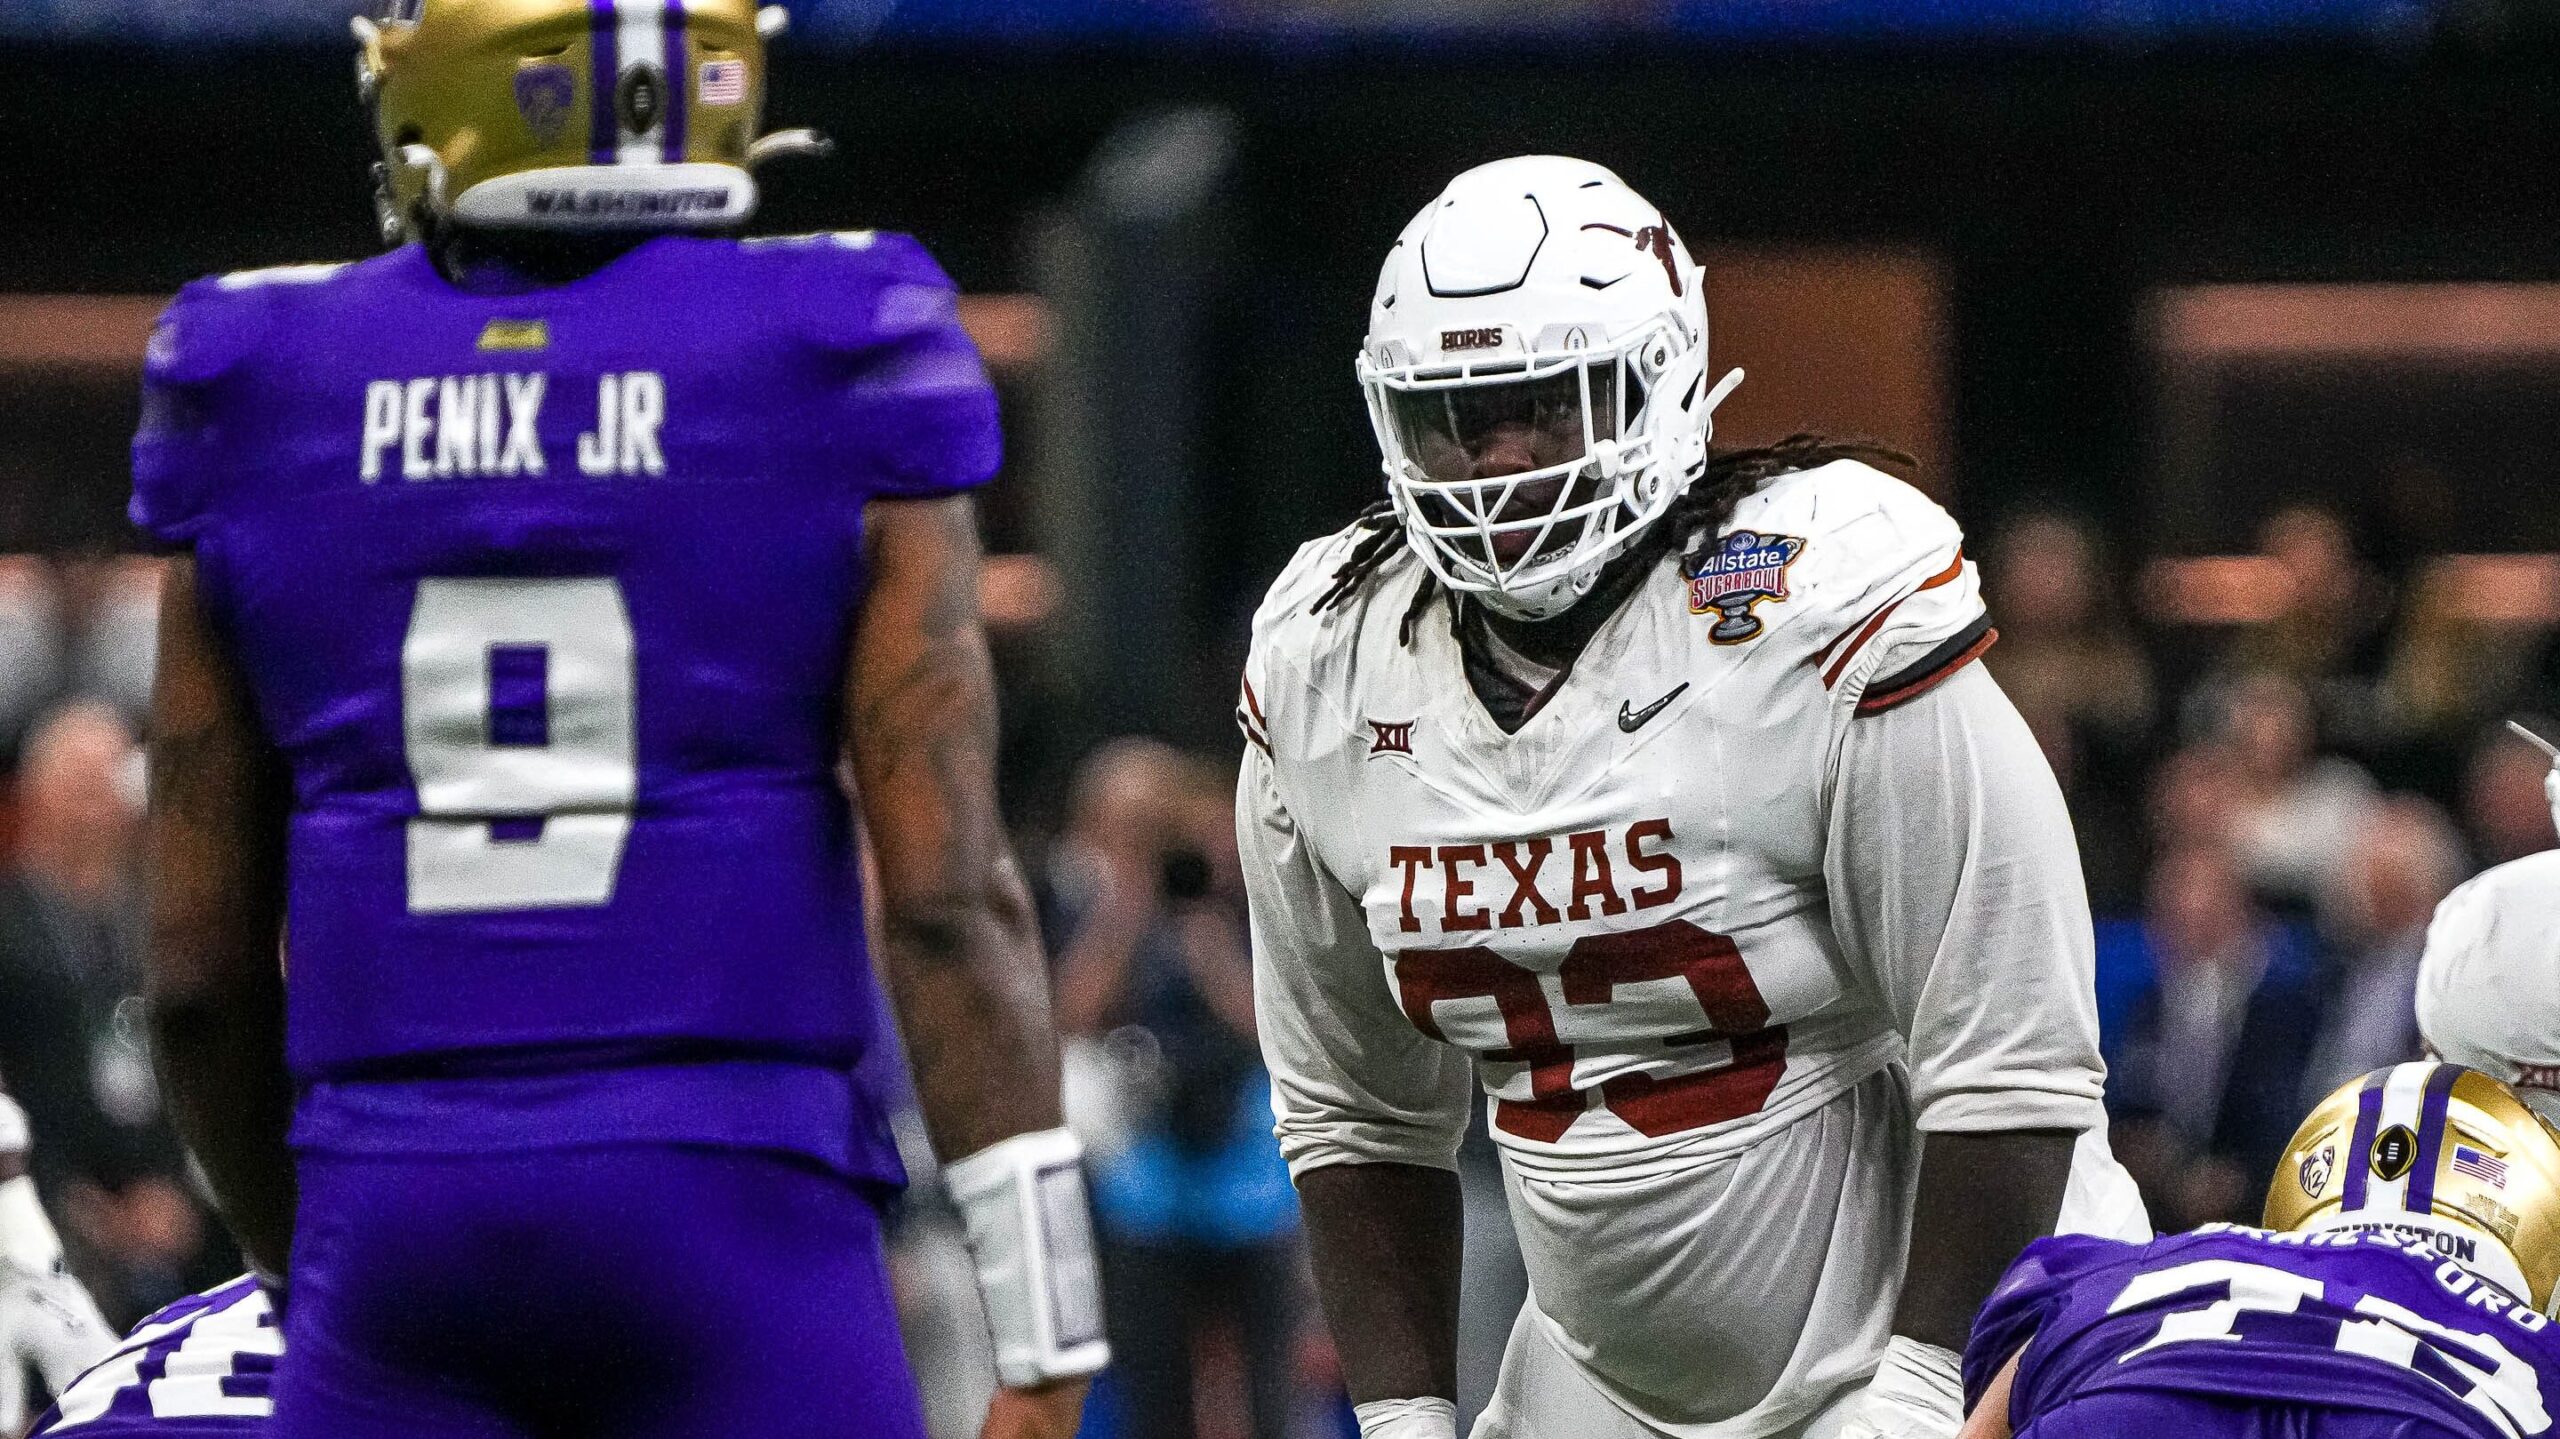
x,y
1703,507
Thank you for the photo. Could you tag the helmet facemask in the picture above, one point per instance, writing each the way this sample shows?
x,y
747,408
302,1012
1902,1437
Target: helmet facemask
x,y
2551,781
1518,480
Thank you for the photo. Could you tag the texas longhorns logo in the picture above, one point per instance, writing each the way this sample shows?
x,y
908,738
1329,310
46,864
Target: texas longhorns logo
x,y
1655,240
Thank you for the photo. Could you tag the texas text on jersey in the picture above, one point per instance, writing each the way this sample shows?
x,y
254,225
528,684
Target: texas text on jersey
x,y
1653,838
1680,915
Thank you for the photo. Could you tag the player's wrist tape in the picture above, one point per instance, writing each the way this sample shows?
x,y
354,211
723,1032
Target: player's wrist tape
x,y
1407,1419
27,1239
1022,1202
1918,1393
14,1137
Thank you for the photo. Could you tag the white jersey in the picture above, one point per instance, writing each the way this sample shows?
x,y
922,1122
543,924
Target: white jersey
x,y
2487,997
1731,868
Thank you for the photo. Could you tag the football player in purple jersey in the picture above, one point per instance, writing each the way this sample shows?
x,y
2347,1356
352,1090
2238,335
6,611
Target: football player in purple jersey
x,y
2402,1289
534,583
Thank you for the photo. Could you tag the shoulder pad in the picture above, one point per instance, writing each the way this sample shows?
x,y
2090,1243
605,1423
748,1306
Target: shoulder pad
x,y
860,289
911,394
1293,645
278,275
1306,577
1879,596
1862,528
208,329
201,340
2035,1287
843,289
2484,994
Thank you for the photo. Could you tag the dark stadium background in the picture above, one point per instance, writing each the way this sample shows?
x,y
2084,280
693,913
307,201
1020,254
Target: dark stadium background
x,y
2168,272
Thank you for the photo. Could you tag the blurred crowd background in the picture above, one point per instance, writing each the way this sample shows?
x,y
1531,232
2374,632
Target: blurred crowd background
x,y
2229,328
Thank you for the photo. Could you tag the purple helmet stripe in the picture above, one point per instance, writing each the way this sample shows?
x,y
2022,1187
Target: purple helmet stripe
x,y
604,74
2431,1128
679,82
2359,1155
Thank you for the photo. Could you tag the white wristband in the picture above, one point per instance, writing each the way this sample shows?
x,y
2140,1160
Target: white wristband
x,y
27,1239
1022,1202
1407,1419
14,1138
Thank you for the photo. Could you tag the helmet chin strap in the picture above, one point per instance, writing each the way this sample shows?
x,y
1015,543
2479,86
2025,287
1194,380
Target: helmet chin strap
x,y
2551,781
1544,601
784,144
1732,381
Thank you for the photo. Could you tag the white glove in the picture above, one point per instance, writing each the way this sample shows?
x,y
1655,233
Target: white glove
x,y
1918,1393
1407,1419
28,1243
49,1321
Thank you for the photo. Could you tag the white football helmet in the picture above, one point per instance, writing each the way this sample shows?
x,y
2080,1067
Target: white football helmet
x,y
1536,372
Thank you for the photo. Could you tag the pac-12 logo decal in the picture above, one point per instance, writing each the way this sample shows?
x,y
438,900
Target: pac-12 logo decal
x,y
2316,1168
1390,738
545,94
1737,572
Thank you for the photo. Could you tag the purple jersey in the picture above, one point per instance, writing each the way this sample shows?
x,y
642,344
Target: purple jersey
x,y
546,597
2357,1321
199,1369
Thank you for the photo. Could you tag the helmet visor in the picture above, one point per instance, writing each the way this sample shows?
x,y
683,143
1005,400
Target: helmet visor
x,y
1503,474
1458,434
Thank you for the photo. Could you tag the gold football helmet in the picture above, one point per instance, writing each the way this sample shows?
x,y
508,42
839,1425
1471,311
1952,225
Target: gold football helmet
x,y
568,114
2438,1150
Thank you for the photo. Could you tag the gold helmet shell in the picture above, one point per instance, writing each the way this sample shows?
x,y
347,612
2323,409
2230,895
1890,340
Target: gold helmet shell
x,y
2438,1150
567,114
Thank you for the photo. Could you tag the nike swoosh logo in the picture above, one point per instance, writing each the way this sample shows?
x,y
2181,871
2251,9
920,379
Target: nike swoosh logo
x,y
1631,719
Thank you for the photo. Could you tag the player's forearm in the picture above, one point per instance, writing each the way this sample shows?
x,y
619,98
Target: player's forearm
x,y
960,947
223,1076
213,972
972,997
1386,1243
1983,1198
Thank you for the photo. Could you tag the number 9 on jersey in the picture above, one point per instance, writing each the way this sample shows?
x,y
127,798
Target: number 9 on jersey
x,y
516,709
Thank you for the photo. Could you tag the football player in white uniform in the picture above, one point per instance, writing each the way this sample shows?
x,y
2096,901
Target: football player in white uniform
x,y
47,1321
2487,996
1663,788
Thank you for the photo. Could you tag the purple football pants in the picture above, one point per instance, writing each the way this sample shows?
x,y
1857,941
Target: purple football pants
x,y
633,1291
2144,1414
